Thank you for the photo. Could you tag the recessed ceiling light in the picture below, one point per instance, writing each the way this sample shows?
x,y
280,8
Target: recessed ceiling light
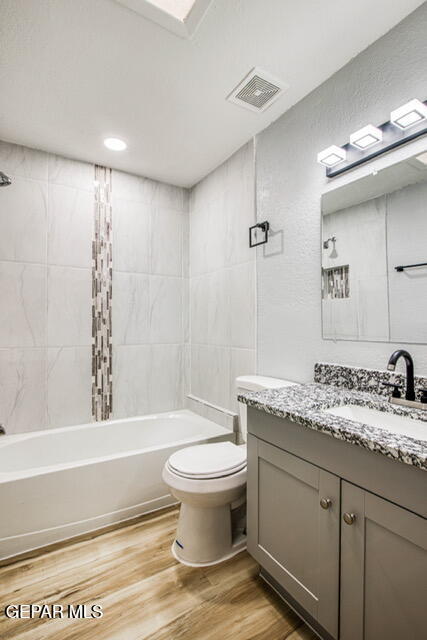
x,y
331,156
366,137
115,144
409,114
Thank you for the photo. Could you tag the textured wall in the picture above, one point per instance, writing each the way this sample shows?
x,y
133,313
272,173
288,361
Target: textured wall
x,y
289,187
222,280
47,226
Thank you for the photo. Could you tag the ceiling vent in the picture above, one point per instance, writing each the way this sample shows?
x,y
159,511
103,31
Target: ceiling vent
x,y
257,91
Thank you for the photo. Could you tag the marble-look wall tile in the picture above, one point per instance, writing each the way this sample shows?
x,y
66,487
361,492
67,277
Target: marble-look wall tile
x,y
199,295
23,296
210,374
71,173
218,320
170,197
128,186
131,233
239,207
165,310
131,308
131,370
69,321
69,380
242,363
166,381
16,160
23,221
222,279
70,226
242,305
166,242
22,389
186,310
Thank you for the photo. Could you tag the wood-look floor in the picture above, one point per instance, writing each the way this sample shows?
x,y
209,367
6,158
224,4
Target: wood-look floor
x,y
144,592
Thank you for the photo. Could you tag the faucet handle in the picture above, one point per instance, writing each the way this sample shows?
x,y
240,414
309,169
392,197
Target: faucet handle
x,y
396,393
423,398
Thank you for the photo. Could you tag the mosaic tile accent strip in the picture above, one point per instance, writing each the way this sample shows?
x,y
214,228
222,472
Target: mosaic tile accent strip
x,y
102,279
336,283
360,379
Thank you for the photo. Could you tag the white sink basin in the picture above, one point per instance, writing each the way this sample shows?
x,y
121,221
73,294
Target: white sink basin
x,y
382,420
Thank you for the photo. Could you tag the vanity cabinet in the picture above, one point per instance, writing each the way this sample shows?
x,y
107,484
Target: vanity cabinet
x,y
290,533
350,561
383,569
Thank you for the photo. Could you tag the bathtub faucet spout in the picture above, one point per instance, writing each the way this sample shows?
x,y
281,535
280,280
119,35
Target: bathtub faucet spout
x,y
2,430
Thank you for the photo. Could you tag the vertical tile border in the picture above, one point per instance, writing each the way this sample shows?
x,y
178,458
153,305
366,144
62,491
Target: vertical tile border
x,y
102,279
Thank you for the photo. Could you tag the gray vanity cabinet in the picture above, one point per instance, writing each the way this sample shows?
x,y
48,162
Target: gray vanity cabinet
x,y
383,569
290,534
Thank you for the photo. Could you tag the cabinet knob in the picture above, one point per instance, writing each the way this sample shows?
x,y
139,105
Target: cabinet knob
x,y
325,503
349,518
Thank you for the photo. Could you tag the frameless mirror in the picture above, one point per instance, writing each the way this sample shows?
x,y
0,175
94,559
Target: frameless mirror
x,y
374,256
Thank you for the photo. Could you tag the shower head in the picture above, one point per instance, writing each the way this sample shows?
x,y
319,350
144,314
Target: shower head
x,y
5,181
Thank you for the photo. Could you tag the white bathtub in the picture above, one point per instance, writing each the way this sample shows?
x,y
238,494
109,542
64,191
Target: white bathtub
x,y
59,483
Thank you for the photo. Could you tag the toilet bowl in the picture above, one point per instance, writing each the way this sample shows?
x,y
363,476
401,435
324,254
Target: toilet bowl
x,y
210,482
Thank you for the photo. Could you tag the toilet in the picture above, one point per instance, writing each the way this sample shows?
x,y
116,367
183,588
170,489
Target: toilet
x,y
210,482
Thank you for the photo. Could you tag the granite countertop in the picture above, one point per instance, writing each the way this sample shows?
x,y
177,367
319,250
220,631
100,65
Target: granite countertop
x,y
305,404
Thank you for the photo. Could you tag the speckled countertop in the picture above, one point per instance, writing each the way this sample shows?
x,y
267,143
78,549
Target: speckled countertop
x,y
305,404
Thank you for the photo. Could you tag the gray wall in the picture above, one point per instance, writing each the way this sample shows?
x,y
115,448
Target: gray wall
x,y
222,280
47,226
289,187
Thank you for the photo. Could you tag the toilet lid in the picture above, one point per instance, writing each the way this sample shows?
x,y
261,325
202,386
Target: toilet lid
x,y
206,461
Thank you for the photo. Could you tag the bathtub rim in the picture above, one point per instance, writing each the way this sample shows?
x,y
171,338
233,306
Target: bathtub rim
x,y
13,476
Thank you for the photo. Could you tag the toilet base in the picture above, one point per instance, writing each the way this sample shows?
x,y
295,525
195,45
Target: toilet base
x,y
209,535
235,549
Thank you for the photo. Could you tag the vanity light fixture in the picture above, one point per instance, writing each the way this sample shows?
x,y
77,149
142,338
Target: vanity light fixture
x,y
409,114
366,137
115,144
406,123
331,156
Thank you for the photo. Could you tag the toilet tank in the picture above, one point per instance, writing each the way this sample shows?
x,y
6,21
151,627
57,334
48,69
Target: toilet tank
x,y
255,383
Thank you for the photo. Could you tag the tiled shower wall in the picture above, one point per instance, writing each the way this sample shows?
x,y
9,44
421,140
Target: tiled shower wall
x,y
47,227
222,280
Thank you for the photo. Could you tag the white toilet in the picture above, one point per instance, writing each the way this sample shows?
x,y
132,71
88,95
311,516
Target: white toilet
x,y
210,482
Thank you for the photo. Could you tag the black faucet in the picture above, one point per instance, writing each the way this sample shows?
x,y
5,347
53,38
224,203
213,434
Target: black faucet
x,y
401,353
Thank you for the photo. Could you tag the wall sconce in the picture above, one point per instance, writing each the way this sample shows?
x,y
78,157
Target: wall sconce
x,y
406,123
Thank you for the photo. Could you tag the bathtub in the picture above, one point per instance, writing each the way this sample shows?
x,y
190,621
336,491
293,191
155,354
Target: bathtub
x,y
59,483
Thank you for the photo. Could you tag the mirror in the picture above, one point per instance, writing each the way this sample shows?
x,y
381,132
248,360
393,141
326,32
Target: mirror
x,y
374,250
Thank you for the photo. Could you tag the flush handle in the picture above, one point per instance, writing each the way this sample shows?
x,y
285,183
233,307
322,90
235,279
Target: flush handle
x,y
349,518
325,503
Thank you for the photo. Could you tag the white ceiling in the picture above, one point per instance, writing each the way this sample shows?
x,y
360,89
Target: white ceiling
x,y
73,72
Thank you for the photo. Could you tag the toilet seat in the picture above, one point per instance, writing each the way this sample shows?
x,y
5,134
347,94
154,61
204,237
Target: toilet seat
x,y
208,461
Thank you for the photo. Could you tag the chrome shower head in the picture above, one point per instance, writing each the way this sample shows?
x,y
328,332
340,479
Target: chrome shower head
x,y
5,181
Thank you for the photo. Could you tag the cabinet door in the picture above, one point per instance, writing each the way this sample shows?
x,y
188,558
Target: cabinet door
x,y
383,569
289,533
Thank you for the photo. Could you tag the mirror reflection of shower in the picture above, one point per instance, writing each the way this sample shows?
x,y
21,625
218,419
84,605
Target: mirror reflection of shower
x,y
326,244
5,181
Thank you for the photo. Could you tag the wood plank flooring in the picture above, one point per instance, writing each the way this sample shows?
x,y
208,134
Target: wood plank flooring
x,y
144,592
